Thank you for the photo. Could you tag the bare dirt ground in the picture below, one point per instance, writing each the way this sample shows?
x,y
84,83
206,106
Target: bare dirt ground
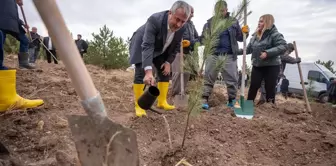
x,y
283,136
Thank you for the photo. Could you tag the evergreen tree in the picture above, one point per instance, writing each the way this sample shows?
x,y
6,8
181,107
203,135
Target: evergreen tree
x,y
107,51
11,45
329,65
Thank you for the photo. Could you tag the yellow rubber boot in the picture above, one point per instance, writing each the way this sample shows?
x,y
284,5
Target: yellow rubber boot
x,y
162,98
138,91
9,100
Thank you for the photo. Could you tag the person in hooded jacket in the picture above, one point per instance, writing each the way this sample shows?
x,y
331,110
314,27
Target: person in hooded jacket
x,y
266,46
285,58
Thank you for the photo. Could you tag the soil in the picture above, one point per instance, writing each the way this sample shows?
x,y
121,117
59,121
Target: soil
x,y
285,135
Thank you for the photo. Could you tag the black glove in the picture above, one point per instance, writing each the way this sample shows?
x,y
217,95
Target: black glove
x,y
298,60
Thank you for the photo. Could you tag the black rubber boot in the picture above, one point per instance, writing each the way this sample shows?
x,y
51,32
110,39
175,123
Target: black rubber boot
x,y
24,61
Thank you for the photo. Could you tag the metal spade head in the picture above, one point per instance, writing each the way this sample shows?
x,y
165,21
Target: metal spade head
x,y
106,143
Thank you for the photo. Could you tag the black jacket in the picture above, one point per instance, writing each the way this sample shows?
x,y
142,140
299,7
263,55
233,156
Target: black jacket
x,y
9,17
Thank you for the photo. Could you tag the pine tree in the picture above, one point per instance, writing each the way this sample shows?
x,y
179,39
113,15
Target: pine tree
x,y
329,65
107,51
11,45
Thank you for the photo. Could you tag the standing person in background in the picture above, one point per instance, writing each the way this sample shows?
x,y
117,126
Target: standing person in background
x,y
332,92
50,50
284,86
81,45
266,46
23,55
34,46
227,50
190,37
285,58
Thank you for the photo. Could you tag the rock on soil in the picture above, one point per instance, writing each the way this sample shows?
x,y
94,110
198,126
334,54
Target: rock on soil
x,y
277,136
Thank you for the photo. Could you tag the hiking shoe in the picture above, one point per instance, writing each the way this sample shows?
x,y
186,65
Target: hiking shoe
x,y
231,104
205,104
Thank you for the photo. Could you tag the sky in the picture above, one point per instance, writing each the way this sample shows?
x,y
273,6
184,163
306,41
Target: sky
x,y
311,23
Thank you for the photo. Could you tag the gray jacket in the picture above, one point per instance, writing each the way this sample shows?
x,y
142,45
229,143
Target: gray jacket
x,y
148,41
272,42
9,17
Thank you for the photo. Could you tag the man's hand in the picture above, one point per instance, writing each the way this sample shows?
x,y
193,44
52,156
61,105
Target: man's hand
x,y
166,68
263,55
26,26
149,78
245,29
19,2
185,43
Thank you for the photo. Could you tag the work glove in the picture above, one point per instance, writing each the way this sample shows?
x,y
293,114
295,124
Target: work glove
x,y
245,29
298,60
185,43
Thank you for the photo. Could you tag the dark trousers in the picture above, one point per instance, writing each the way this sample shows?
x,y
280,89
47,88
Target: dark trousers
x,y
139,73
49,56
270,75
2,40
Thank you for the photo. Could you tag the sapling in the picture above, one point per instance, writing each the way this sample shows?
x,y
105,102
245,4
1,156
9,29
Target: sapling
x,y
210,39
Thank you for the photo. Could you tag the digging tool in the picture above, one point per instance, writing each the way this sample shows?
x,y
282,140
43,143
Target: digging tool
x,y
181,100
99,141
301,77
25,20
246,107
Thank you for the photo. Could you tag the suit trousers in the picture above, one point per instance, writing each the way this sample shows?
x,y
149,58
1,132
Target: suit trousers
x,y
49,56
139,73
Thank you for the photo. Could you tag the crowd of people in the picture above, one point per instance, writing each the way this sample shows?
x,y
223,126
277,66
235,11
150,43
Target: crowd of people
x,y
157,44
11,24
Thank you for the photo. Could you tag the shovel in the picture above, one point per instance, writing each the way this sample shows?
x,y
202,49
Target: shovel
x,y
181,100
98,140
245,108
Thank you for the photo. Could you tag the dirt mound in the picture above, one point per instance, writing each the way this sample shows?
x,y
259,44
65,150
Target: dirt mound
x,y
285,135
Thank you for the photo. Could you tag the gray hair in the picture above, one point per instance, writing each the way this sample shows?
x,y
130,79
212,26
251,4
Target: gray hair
x,y
181,4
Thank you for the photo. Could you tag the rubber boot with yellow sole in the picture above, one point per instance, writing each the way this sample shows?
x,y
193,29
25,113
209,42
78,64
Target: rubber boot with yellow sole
x,y
9,99
138,91
162,98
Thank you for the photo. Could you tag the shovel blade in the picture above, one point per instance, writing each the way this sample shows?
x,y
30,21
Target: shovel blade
x,y
246,109
93,140
181,101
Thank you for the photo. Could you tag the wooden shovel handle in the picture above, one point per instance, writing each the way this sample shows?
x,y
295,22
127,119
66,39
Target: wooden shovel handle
x,y
66,48
301,78
25,20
